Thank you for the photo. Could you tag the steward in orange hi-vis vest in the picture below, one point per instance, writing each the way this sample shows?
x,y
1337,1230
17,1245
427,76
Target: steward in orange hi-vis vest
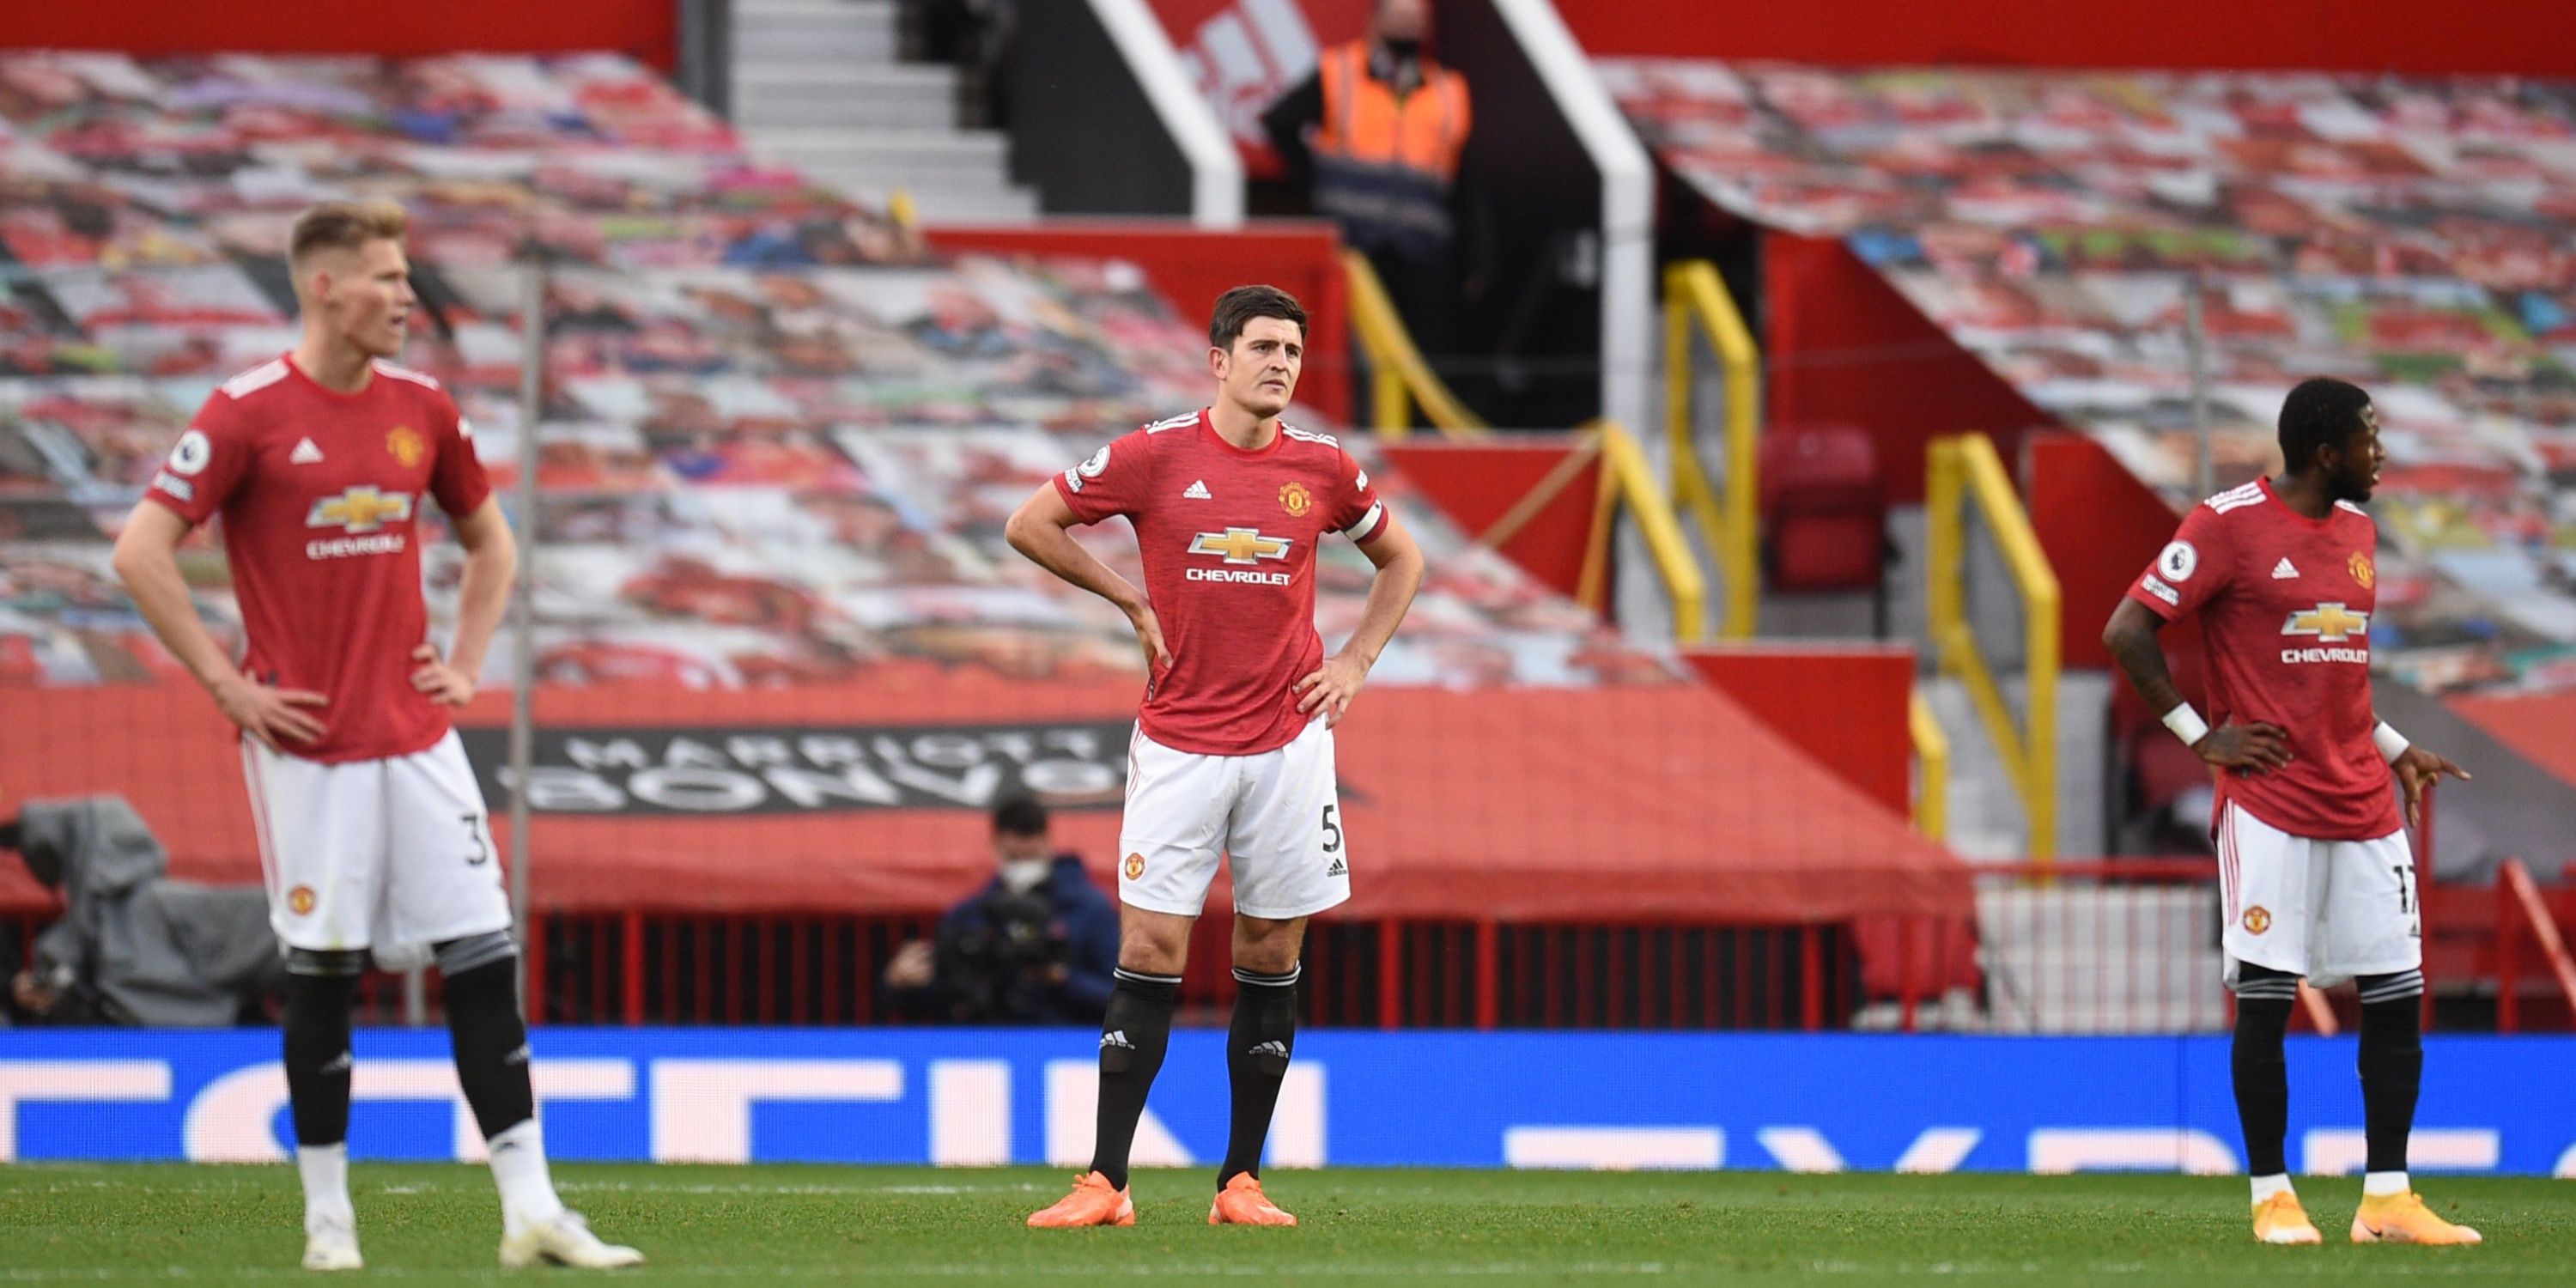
x,y
1386,151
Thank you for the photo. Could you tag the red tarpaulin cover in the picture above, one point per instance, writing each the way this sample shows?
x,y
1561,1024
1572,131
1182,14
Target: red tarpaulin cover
x,y
1626,803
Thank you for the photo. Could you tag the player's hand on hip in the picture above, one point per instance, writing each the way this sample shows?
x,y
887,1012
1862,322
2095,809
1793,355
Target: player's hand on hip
x,y
2250,749
2416,769
1149,636
271,715
1331,688
443,683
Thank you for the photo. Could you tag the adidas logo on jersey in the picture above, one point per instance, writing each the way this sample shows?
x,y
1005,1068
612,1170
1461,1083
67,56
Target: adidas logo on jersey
x,y
1198,492
2284,571
305,453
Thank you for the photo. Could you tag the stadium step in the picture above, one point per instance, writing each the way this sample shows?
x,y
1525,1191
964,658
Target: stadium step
x,y
802,40
862,96
816,86
939,199
907,155
841,32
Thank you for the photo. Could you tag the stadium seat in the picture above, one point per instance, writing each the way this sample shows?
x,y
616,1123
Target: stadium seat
x,y
1824,515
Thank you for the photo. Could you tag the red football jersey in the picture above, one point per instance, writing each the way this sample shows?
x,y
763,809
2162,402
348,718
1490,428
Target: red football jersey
x,y
320,495
1228,539
2285,604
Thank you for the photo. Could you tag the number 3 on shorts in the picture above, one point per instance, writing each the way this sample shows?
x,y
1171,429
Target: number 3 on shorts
x,y
1333,831
474,832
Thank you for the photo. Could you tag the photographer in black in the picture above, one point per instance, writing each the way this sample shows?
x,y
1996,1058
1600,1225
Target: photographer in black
x,y
1036,945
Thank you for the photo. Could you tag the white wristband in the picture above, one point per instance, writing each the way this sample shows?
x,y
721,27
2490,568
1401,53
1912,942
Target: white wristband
x,y
2391,743
2187,725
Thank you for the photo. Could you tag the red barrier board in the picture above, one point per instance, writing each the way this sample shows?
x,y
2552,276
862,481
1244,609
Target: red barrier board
x,y
1643,803
644,29
1843,705
1478,484
2347,35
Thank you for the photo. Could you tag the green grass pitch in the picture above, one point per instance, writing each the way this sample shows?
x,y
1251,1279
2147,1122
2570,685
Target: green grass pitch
x,y
793,1225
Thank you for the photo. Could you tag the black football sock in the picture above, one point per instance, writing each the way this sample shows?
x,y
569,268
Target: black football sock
x,y
317,1055
491,1043
1133,1037
2392,1064
2262,1076
1257,1047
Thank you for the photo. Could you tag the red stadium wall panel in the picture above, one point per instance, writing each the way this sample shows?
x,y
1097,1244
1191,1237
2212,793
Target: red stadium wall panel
x,y
1478,484
1191,267
2508,36
1842,347
2099,526
644,29
1844,705
1649,803
2542,726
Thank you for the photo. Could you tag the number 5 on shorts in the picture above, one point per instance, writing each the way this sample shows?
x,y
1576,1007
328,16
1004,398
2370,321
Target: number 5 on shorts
x,y
1333,830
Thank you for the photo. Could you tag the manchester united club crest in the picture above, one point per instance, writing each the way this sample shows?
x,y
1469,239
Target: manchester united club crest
x,y
1135,867
2257,920
300,900
1295,499
407,446
2361,570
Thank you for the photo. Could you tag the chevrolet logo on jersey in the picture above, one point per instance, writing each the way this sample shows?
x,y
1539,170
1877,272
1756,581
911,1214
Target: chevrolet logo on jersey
x,y
1240,545
359,509
2331,623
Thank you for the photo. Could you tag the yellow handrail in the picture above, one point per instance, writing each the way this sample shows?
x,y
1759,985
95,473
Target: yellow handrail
x,y
1627,476
1694,292
1398,377
1932,748
1959,469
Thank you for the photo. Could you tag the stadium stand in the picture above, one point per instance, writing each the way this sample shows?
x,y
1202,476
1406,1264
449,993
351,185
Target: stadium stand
x,y
2396,231
778,442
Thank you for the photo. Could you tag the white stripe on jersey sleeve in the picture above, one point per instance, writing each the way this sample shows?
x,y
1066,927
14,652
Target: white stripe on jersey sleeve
x,y
405,373
255,379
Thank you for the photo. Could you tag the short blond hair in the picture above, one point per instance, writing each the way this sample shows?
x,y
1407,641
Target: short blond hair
x,y
344,225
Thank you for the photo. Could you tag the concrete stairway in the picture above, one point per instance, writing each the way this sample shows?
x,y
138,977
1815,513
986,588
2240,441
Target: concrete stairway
x,y
816,85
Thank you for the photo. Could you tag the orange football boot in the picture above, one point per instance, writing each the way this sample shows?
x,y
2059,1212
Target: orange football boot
x,y
2280,1219
1241,1202
1094,1201
2403,1218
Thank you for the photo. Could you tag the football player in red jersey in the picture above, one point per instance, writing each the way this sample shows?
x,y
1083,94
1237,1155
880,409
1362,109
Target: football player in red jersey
x,y
2315,875
1233,752
372,828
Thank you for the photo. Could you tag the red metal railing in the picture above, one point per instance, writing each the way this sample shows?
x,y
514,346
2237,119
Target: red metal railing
x,y
2521,912
2125,945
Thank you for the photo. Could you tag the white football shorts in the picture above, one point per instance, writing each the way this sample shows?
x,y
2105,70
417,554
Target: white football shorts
x,y
1274,817
393,854
2328,910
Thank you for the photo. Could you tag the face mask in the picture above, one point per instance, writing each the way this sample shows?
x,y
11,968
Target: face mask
x,y
1019,876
